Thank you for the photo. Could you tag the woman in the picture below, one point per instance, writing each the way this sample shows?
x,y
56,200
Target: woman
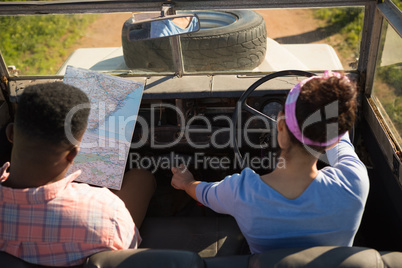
x,y
298,205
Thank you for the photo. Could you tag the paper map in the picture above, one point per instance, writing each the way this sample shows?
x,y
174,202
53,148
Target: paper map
x,y
105,145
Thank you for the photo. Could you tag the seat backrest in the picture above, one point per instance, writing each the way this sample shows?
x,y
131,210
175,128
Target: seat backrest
x,y
314,257
208,236
8,260
298,257
139,258
318,257
392,259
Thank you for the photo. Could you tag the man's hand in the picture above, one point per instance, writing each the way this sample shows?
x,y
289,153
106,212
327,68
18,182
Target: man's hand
x,y
3,173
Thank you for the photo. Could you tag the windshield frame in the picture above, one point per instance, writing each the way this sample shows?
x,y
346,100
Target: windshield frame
x,y
110,6
99,6
374,15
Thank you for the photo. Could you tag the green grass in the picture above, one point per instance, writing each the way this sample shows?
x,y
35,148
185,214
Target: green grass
x,y
37,44
347,24
388,82
398,3
390,95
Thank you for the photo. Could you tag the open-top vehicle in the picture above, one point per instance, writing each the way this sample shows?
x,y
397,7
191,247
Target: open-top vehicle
x,y
204,93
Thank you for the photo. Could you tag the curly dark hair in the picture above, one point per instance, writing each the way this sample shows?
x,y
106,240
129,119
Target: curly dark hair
x,y
323,96
42,111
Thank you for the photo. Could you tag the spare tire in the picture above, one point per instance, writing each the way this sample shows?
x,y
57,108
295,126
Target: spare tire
x,y
227,40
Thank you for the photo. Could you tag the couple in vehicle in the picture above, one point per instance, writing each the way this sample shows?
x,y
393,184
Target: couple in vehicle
x,y
48,219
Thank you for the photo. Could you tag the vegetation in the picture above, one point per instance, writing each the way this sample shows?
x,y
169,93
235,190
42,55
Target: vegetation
x,y
38,44
392,74
389,91
346,22
398,3
388,81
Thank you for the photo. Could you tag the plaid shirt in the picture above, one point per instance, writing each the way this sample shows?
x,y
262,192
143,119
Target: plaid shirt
x,y
62,223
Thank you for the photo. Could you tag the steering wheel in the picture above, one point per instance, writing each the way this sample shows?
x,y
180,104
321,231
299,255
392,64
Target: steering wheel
x,y
242,105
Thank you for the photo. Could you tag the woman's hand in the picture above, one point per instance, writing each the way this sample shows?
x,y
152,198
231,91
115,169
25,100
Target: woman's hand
x,y
183,180
182,177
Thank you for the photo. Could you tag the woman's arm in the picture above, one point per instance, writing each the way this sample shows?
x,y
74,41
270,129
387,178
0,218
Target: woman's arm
x,y
348,167
183,180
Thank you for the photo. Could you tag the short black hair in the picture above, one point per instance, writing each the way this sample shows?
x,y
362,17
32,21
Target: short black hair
x,y
42,111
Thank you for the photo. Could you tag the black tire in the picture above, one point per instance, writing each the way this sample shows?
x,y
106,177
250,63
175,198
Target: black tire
x,y
228,40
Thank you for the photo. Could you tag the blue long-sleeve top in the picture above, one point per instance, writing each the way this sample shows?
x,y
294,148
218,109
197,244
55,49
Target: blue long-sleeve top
x,y
327,213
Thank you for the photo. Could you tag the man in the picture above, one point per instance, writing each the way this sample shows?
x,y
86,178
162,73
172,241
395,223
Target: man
x,y
45,217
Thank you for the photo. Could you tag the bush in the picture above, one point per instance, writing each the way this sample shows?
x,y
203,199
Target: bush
x,y
398,3
346,21
392,76
37,44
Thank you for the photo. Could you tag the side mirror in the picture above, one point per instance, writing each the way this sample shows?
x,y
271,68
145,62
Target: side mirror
x,y
163,27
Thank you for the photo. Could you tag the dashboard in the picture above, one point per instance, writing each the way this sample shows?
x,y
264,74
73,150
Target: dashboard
x,y
186,122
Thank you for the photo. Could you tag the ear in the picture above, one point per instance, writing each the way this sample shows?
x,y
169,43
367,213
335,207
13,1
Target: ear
x,y
283,136
72,154
280,121
10,132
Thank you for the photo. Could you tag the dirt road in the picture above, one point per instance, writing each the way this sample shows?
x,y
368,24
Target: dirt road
x,y
291,22
290,26
106,30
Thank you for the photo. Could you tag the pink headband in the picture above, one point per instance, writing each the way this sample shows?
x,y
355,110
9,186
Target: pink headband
x,y
290,112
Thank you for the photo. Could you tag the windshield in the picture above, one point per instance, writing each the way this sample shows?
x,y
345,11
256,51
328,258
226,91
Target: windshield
x,y
229,41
